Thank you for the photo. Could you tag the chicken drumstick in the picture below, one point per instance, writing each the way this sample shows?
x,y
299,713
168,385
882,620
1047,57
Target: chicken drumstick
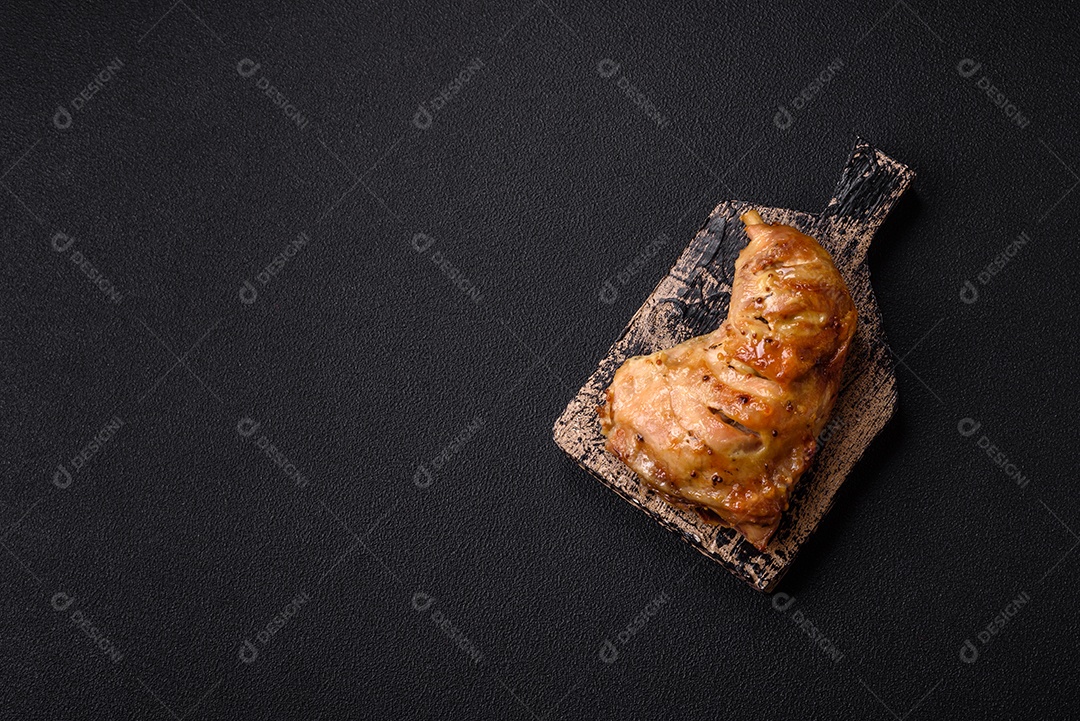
x,y
728,421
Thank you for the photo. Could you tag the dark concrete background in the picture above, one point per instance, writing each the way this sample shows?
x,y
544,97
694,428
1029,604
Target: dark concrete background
x,y
159,560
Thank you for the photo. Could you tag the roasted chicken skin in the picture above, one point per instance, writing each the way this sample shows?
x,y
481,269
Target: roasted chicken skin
x,y
727,422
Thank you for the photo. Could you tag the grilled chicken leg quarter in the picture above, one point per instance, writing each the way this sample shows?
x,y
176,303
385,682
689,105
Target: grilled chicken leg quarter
x,y
727,422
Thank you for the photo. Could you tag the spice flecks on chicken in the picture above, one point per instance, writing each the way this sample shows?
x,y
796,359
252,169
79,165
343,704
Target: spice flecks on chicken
x,y
727,422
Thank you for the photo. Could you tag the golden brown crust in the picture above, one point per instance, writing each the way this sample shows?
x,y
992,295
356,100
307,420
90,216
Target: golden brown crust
x,y
728,421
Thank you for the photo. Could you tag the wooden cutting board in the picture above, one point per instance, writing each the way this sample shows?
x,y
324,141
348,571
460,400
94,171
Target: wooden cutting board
x,y
693,299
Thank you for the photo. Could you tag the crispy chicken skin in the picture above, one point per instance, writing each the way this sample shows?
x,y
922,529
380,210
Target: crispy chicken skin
x,y
727,422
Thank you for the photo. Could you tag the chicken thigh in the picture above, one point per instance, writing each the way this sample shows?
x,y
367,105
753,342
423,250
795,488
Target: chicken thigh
x,y
727,422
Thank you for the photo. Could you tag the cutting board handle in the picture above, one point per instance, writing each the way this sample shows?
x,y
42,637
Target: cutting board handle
x,y
871,183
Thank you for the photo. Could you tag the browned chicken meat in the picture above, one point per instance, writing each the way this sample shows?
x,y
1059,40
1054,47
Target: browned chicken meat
x,y
727,422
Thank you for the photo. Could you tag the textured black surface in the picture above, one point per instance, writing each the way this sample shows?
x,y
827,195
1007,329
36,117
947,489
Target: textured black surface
x,y
538,180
